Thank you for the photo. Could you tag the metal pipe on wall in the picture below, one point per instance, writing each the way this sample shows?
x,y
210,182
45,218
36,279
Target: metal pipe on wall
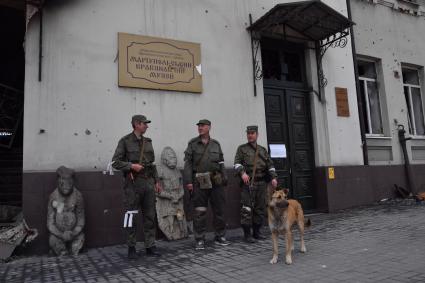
x,y
359,99
408,169
40,42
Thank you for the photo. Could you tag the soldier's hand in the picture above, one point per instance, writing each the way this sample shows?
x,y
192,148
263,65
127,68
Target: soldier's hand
x,y
274,183
136,167
158,187
189,187
245,178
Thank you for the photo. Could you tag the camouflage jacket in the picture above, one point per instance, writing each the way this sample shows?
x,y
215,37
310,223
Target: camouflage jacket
x,y
244,161
211,162
128,152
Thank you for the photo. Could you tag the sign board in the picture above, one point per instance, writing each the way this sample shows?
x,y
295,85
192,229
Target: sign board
x,y
342,108
331,173
277,150
159,63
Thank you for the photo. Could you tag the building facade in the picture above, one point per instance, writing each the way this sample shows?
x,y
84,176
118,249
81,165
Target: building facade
x,y
287,66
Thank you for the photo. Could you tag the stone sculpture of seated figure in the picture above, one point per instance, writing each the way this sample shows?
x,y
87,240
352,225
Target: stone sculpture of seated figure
x,y
65,215
169,205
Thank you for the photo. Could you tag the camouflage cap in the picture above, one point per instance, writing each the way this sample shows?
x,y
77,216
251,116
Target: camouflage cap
x,y
139,118
252,128
204,122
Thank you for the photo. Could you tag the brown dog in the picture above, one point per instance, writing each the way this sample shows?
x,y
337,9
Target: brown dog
x,y
420,196
284,213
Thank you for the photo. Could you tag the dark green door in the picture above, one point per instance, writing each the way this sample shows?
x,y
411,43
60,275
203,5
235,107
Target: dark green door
x,y
288,118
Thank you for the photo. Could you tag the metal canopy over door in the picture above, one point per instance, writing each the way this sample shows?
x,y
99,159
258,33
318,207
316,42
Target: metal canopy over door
x,y
288,117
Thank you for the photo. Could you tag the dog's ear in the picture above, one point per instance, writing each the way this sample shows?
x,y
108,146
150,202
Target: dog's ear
x,y
286,191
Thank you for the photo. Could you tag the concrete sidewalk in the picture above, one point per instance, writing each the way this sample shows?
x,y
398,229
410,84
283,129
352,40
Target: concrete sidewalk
x,y
380,243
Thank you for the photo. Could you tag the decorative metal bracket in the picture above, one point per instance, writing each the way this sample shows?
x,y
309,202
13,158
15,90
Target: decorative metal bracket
x,y
257,71
337,40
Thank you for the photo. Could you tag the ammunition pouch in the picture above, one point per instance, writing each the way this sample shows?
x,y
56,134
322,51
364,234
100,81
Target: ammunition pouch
x,y
204,180
218,179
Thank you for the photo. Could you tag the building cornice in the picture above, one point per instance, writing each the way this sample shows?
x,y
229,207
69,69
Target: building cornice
x,y
408,7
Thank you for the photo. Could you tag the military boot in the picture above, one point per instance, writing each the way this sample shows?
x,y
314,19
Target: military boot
x,y
257,232
152,252
132,254
247,234
200,244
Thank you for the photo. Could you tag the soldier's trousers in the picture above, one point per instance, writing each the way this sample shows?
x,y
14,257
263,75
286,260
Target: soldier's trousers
x,y
201,197
253,204
140,195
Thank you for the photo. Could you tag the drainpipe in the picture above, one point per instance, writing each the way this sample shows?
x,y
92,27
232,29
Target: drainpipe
x,y
40,40
359,99
408,169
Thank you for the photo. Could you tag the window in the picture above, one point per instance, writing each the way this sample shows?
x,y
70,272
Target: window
x,y
282,62
370,97
282,65
412,93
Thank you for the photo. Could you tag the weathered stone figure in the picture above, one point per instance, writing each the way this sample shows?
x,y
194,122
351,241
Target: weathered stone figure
x,y
169,205
65,215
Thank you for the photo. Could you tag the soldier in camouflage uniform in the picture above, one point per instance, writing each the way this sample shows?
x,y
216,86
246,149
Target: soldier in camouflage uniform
x,y
141,181
253,196
204,175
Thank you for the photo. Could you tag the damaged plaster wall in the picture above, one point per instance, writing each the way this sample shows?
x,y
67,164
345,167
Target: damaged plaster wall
x,y
394,38
77,113
82,110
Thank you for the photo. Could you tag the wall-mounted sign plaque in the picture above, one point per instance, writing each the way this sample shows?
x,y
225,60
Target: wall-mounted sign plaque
x,y
331,173
342,108
158,63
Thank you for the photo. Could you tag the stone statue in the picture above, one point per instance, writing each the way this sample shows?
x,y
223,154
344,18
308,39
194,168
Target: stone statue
x,y
169,205
65,215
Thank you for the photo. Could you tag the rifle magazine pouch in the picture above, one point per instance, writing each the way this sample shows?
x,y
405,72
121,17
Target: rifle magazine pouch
x,y
204,180
217,179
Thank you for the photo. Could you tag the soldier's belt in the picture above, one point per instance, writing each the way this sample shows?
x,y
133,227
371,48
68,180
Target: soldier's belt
x,y
145,173
142,176
259,179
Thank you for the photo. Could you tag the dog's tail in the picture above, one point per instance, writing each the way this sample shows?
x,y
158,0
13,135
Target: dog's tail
x,y
307,222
